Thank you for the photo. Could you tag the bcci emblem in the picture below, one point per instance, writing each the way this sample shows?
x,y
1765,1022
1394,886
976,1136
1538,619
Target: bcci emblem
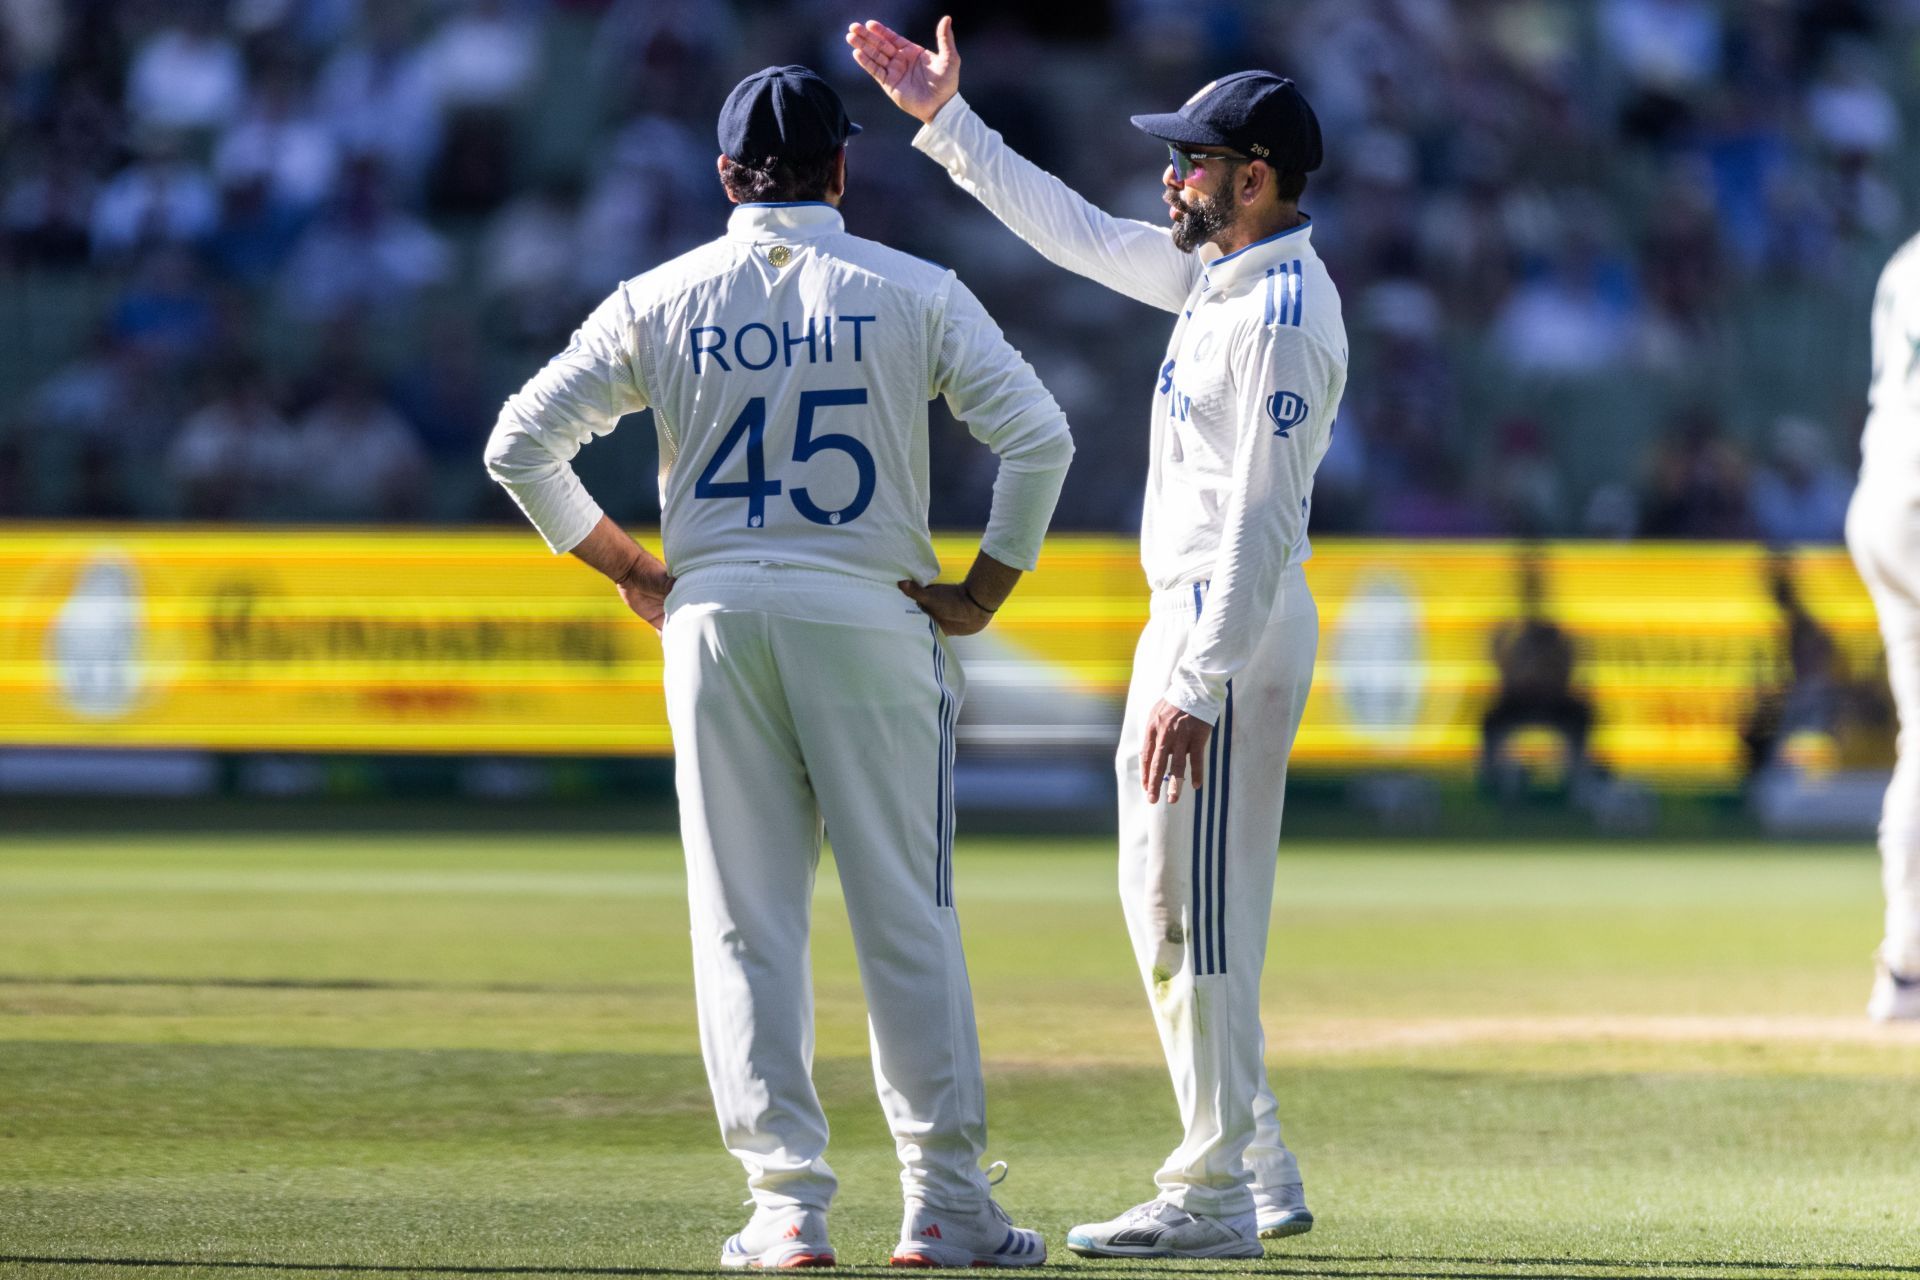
x,y
1287,411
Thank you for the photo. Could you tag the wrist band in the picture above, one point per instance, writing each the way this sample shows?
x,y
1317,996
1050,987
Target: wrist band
x,y
967,591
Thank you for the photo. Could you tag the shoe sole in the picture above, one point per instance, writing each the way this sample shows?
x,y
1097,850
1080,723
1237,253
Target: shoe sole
x,y
1230,1249
754,1263
1280,1231
920,1260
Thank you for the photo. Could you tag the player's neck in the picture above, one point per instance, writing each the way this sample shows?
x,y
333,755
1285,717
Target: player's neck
x,y
1252,230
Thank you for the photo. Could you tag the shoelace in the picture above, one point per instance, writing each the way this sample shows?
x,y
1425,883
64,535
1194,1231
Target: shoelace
x,y
1152,1211
997,1174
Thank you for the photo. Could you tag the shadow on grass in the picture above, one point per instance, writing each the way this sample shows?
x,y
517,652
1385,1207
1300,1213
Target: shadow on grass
x,y
1355,1266
321,984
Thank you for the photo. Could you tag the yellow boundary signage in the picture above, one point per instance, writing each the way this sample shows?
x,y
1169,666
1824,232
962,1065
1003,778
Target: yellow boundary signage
x,y
478,641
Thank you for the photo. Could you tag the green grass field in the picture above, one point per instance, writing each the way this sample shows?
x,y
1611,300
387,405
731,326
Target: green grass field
x,y
233,1055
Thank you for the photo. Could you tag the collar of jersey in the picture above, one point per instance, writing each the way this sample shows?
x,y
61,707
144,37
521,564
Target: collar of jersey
x,y
798,220
1253,260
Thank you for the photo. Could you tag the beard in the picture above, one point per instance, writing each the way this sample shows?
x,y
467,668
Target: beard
x,y
1201,219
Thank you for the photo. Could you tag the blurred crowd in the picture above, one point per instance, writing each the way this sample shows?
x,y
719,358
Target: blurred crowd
x,y
1606,263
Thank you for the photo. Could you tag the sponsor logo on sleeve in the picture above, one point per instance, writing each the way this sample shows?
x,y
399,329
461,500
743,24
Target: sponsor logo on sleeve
x,y
1287,411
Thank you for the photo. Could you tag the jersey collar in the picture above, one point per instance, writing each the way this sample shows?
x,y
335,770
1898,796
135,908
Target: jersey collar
x,y
1253,260
798,220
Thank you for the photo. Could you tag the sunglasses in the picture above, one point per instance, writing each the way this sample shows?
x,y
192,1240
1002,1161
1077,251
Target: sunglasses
x,y
1188,163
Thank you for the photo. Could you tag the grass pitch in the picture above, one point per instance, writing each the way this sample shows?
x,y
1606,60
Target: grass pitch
x,y
232,1056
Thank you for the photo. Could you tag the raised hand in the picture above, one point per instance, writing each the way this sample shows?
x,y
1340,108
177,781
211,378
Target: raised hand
x,y
919,80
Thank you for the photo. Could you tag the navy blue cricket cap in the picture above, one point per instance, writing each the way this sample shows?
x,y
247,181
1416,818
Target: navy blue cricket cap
x,y
783,113
1256,113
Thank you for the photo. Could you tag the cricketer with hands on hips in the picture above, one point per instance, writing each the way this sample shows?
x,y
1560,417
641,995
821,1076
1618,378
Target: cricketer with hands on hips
x,y
1243,408
789,365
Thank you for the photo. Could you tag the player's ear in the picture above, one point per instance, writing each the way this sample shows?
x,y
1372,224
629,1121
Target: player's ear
x,y
720,166
1256,179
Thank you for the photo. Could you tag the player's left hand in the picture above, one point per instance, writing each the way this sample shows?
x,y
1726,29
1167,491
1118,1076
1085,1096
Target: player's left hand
x,y
947,604
1174,749
645,588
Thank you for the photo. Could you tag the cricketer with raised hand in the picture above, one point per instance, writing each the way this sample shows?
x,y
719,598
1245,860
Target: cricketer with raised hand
x,y
1243,406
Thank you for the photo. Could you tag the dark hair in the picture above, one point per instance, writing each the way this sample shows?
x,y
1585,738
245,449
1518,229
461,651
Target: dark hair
x,y
778,178
1289,186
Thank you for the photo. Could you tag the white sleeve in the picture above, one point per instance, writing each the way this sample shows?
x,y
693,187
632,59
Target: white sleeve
x,y
1130,257
1266,515
582,393
990,387
1895,333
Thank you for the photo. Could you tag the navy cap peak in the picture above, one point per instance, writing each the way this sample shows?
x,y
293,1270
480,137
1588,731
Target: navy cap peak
x,y
783,113
1256,113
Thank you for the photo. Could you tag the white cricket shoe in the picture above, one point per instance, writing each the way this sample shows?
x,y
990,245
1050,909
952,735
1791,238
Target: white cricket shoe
x,y
1895,997
933,1237
1158,1229
1282,1211
795,1237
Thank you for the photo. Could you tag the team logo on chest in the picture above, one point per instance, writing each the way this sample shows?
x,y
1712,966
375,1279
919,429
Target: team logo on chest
x,y
1287,411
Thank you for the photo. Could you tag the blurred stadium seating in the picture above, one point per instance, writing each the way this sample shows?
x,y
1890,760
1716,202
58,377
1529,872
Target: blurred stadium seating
x,y
1605,264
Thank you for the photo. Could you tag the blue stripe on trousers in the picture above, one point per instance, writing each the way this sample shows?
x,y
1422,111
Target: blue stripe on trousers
x,y
942,799
1195,917
1209,865
1207,897
1223,783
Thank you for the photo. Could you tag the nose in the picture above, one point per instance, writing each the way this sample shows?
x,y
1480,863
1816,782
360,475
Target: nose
x,y
1170,179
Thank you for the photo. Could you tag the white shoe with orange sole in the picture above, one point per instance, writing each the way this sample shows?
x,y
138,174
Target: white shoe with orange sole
x,y
984,1238
795,1237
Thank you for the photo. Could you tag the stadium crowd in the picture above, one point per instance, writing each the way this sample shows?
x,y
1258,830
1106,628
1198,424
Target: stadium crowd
x,y
1606,265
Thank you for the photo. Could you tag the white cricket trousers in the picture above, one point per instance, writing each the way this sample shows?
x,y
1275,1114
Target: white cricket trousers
x,y
1196,882
1883,533
801,698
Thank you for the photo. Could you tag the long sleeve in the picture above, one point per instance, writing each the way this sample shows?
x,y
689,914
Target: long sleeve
x,y
583,392
991,388
1284,401
1128,256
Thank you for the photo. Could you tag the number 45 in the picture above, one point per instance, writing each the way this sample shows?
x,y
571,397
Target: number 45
x,y
756,488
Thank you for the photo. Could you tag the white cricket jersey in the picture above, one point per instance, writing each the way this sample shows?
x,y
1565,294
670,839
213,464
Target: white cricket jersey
x,y
1890,445
788,366
1243,402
